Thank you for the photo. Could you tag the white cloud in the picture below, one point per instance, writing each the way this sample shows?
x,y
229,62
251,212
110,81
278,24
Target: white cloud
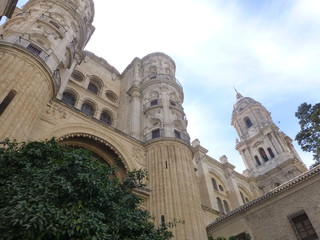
x,y
270,52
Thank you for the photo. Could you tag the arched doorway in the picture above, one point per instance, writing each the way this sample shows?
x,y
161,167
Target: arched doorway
x,y
99,148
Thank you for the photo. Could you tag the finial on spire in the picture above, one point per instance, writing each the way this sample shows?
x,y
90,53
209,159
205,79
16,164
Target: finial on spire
x,y
238,96
235,89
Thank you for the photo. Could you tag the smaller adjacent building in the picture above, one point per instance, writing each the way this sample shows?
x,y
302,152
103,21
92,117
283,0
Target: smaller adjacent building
x,y
289,211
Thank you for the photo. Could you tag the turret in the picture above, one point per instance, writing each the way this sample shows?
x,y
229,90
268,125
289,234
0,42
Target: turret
x,y
162,98
39,47
54,31
268,153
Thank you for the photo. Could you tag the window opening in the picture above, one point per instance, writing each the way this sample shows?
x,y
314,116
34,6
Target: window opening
x,y
220,205
154,102
172,103
248,122
88,109
93,88
166,165
69,99
257,160
221,188
263,154
226,206
7,100
177,134
303,227
270,152
214,184
156,133
163,220
106,118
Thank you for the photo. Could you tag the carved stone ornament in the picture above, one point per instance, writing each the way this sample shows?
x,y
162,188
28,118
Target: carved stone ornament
x,y
138,154
53,114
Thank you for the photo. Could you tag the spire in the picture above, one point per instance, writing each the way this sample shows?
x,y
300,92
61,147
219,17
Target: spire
x,y
238,96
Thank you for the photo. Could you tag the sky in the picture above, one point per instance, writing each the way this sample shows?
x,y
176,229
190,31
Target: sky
x,y
268,50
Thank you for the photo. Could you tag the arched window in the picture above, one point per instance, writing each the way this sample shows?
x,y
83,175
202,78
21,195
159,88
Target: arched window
x,y
88,108
220,206
214,184
257,160
69,98
93,88
111,96
78,76
248,122
263,154
226,206
270,152
106,118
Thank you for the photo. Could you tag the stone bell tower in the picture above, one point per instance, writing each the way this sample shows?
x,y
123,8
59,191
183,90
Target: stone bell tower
x,y
39,47
268,153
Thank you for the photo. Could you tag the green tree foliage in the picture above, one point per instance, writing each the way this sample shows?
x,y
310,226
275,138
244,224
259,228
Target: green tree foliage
x,y
53,192
309,136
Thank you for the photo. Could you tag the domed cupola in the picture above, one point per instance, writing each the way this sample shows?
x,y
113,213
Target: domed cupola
x,y
241,103
249,117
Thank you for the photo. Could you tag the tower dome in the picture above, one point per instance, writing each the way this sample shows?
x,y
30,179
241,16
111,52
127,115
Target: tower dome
x,y
242,103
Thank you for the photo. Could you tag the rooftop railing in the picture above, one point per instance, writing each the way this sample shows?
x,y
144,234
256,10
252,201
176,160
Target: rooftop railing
x,y
161,76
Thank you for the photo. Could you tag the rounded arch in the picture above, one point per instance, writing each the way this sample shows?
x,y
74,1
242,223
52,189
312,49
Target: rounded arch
x,y
244,193
106,116
97,81
111,96
74,93
40,39
77,75
154,95
99,147
124,150
86,107
218,184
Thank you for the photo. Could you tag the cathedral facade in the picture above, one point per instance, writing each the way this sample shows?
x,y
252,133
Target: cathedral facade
x,y
51,87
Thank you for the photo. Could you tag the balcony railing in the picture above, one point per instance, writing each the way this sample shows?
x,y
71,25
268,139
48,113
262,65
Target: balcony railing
x,y
32,47
152,103
161,76
52,22
176,105
161,134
